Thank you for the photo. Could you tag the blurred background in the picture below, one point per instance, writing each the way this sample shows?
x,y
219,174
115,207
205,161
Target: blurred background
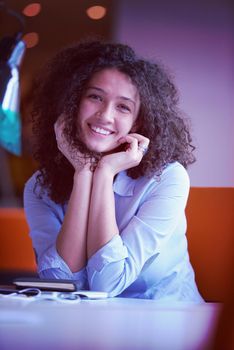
x,y
194,39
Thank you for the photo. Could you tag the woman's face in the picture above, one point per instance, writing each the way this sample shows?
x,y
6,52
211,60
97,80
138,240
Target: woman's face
x,y
108,110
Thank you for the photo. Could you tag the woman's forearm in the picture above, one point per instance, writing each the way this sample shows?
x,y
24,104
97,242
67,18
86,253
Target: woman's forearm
x,y
72,239
102,225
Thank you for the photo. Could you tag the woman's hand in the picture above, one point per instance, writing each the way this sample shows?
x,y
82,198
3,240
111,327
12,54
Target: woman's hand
x,y
136,146
78,160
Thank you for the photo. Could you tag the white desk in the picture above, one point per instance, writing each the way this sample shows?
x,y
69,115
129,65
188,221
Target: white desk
x,y
106,325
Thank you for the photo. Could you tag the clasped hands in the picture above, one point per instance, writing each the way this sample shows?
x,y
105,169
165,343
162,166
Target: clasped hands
x,y
136,146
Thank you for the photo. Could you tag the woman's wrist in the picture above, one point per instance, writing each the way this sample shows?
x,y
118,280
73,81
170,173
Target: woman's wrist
x,y
105,171
84,171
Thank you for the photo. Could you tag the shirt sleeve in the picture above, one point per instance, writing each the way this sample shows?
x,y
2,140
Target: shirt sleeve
x,y
45,219
118,264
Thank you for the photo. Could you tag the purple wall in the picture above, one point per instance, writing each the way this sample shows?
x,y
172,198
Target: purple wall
x,y
194,39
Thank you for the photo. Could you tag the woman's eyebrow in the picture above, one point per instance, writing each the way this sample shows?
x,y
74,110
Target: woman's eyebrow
x,y
127,99
95,88
104,92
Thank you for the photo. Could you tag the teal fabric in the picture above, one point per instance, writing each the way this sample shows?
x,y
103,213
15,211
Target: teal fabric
x,y
10,131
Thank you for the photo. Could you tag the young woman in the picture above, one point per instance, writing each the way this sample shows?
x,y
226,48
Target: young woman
x,y
107,205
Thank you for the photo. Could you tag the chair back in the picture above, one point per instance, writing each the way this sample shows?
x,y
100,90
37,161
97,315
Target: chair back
x,y
210,216
16,252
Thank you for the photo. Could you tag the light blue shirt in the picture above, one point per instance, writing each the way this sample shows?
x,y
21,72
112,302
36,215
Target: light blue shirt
x,y
148,259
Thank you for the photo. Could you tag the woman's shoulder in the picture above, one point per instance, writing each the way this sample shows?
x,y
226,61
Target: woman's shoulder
x,y
173,175
171,172
33,188
175,170
31,182
174,178
37,199
173,182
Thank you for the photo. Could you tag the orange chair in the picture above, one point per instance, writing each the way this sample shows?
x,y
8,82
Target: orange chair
x,y
16,252
210,215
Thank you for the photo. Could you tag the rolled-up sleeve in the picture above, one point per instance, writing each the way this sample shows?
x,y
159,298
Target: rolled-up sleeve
x,y
45,219
118,264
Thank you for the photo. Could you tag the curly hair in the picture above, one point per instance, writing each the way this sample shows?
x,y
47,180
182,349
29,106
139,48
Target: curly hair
x,y
59,90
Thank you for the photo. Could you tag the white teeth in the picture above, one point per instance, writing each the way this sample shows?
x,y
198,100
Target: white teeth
x,y
100,130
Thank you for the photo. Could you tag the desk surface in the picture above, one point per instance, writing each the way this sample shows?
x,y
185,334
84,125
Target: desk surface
x,y
111,324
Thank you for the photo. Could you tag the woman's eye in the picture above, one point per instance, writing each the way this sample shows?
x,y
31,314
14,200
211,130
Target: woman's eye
x,y
95,97
124,108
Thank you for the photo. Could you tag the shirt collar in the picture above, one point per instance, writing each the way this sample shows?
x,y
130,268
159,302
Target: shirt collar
x,y
124,185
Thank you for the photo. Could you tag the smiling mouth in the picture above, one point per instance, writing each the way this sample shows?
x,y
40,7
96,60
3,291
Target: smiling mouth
x,y
100,131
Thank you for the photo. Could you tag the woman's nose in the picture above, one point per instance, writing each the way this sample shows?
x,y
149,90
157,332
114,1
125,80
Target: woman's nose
x,y
106,113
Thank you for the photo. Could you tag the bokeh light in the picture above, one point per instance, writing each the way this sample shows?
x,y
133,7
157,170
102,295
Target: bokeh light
x,y
96,12
31,39
32,9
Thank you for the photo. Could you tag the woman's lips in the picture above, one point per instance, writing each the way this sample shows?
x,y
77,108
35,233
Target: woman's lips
x,y
100,130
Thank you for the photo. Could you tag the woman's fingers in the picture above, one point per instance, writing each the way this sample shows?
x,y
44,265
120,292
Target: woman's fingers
x,y
61,141
136,142
58,129
143,142
74,156
131,142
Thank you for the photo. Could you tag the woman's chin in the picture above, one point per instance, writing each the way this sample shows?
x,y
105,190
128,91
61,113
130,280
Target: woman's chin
x,y
104,150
